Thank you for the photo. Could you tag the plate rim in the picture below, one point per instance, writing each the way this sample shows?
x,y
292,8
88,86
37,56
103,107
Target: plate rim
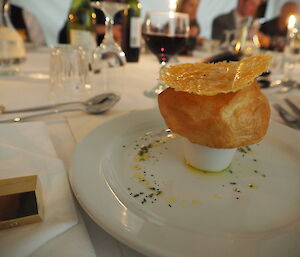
x,y
138,245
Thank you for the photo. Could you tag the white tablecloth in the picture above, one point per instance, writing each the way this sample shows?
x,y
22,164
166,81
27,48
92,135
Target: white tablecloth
x,y
68,129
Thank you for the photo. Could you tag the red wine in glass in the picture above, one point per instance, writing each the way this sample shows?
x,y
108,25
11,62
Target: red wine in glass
x,y
165,34
165,46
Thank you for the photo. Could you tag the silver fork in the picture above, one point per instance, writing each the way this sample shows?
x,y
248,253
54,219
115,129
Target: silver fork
x,y
288,118
293,107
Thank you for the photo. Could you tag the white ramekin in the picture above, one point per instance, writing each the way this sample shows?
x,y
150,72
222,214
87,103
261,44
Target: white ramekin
x,y
206,158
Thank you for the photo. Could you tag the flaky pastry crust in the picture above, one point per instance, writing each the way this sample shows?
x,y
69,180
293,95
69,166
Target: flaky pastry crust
x,y
214,78
221,121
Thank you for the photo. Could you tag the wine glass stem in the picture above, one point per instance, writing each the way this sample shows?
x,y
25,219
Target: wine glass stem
x,y
162,66
109,36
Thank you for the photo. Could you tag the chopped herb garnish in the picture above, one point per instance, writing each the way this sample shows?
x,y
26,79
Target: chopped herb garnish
x,y
170,205
248,148
136,195
232,183
254,186
263,175
255,171
159,192
237,190
242,150
144,200
144,149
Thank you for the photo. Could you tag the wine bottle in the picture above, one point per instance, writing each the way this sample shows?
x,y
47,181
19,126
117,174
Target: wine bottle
x,y
81,24
131,41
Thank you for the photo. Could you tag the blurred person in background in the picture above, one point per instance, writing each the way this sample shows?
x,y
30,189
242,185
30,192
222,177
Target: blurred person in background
x,y
235,19
275,30
27,26
190,7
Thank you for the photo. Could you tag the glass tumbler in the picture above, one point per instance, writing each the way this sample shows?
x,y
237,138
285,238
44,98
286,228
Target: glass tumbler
x,y
69,69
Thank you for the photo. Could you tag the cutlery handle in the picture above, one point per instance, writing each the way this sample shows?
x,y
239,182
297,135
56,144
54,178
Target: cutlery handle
x,y
28,117
38,108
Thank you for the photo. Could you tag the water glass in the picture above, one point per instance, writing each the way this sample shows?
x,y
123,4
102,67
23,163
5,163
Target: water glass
x,y
69,69
277,66
291,61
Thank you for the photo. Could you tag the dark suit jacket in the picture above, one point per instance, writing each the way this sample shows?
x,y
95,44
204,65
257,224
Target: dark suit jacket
x,y
16,17
271,28
278,38
222,23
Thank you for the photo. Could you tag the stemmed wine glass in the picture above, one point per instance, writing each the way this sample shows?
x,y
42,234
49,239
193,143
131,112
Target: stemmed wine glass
x,y
291,57
230,36
108,50
165,34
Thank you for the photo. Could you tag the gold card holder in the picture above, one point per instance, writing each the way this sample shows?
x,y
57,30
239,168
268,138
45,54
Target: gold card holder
x,y
20,201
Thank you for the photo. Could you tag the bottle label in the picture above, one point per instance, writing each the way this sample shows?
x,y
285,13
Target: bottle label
x,y
135,32
83,38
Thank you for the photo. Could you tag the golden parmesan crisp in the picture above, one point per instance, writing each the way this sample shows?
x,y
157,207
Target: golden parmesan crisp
x,y
211,79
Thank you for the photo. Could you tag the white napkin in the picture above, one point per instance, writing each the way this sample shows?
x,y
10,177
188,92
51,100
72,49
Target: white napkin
x,y
25,149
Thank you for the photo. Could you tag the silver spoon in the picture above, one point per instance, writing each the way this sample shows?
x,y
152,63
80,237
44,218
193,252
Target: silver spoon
x,y
95,105
98,99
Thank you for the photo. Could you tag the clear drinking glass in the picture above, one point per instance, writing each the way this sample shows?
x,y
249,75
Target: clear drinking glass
x,y
69,74
165,34
291,60
108,53
228,43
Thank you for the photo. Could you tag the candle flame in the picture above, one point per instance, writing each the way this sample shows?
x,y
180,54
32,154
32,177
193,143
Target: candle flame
x,y
171,14
172,5
291,22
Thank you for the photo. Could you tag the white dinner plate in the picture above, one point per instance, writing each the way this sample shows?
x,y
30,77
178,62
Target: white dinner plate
x,y
130,176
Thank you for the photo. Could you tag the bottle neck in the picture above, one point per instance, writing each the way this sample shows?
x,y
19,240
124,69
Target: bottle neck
x,y
4,17
135,6
77,4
